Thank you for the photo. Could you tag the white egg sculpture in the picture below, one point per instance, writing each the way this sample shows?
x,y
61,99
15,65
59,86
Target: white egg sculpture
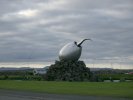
x,y
71,51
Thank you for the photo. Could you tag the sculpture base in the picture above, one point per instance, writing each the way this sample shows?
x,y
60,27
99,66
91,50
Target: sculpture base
x,y
68,71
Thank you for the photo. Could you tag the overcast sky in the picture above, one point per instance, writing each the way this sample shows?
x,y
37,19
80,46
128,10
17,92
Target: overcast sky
x,y
35,30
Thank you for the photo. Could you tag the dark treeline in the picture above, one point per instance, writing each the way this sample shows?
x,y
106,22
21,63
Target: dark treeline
x,y
95,76
19,75
111,74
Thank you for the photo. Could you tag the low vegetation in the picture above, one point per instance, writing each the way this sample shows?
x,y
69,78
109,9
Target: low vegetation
x,y
120,89
116,76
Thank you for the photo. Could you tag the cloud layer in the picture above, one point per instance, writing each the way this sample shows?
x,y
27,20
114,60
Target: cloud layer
x,y
35,30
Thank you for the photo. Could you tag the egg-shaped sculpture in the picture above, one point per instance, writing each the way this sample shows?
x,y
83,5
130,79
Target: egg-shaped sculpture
x,y
71,51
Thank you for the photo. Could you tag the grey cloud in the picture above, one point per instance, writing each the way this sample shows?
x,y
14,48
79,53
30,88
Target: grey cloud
x,y
39,37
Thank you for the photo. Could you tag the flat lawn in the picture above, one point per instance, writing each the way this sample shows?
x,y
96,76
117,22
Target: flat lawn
x,y
121,89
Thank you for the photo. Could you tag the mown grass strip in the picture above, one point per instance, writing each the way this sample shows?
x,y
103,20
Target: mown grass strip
x,y
121,89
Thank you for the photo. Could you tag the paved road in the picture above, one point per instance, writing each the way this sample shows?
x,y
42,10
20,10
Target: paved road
x,y
21,95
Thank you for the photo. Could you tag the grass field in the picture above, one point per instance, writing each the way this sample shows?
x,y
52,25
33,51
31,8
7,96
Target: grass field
x,y
121,89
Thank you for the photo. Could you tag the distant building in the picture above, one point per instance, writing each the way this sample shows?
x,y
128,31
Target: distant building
x,y
40,71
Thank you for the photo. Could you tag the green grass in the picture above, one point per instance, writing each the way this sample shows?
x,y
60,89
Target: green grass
x,y
122,89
